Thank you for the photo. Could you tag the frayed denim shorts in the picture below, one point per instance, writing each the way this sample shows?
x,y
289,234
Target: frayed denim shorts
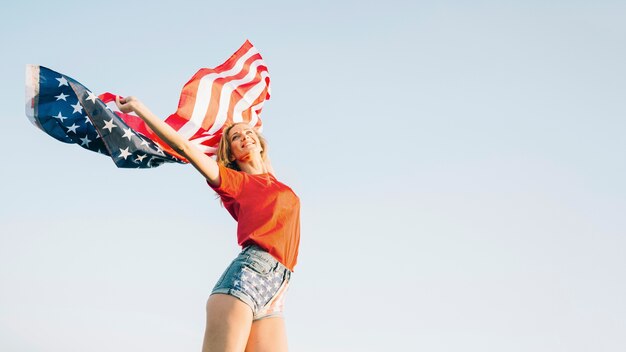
x,y
257,279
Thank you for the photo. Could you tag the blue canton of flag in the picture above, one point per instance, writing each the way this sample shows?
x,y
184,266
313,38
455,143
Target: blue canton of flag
x,y
127,148
56,110
69,112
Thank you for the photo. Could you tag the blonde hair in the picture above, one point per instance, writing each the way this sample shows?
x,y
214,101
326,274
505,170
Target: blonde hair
x,y
224,154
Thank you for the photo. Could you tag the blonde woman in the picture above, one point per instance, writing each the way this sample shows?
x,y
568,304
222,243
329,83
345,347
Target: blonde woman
x,y
244,310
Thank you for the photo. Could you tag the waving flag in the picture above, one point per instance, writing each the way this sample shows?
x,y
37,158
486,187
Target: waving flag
x,y
214,97
232,92
69,112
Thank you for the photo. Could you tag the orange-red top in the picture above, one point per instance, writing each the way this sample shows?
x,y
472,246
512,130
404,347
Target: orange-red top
x,y
267,213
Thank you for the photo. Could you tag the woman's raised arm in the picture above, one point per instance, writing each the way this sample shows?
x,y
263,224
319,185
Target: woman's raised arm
x,y
202,162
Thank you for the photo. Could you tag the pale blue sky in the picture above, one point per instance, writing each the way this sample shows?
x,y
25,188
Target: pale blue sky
x,y
461,167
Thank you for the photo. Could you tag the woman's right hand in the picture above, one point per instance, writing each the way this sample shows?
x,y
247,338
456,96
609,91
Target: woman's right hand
x,y
128,104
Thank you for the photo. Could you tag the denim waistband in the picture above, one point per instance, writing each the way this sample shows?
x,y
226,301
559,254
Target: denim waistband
x,y
262,254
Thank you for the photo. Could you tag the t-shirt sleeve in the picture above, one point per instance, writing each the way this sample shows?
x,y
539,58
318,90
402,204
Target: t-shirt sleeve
x,y
231,182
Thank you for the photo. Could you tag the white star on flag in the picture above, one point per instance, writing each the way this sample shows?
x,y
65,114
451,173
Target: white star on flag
x,y
128,133
92,97
62,81
109,125
73,128
85,141
124,153
77,108
61,97
60,117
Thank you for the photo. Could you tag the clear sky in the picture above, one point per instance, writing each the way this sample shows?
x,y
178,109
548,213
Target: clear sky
x,y
461,166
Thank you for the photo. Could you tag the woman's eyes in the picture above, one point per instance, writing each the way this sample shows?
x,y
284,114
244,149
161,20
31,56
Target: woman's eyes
x,y
236,137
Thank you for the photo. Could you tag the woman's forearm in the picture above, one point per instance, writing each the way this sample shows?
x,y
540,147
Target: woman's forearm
x,y
164,131
207,166
158,126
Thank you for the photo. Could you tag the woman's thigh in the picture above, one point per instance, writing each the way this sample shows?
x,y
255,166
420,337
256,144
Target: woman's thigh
x,y
229,321
267,335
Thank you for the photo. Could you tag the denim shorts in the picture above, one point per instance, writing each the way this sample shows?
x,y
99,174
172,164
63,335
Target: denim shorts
x,y
257,279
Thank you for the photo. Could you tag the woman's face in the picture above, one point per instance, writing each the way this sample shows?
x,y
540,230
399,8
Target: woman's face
x,y
243,141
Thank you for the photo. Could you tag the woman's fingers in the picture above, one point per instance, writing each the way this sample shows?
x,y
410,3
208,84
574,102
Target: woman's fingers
x,y
118,102
123,104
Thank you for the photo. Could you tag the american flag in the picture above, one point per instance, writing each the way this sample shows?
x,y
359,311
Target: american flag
x,y
69,112
232,92
214,97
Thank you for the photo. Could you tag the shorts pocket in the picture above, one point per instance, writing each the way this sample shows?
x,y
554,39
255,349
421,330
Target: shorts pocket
x,y
259,265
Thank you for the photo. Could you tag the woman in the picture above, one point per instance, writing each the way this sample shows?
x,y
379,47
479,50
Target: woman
x,y
244,310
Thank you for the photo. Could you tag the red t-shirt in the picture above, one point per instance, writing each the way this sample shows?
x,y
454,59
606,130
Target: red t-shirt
x,y
267,212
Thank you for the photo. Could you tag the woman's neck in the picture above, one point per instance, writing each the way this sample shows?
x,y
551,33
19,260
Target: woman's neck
x,y
253,166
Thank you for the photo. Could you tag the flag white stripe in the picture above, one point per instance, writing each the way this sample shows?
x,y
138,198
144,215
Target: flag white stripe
x,y
249,98
32,91
227,90
203,96
254,117
204,148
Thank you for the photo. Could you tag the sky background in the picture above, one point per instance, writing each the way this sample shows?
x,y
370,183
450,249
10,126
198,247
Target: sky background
x,y
461,167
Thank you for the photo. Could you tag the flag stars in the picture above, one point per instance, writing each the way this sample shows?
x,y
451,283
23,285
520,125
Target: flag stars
x,y
61,96
62,81
85,141
91,97
73,128
84,119
109,125
124,153
60,117
128,133
77,108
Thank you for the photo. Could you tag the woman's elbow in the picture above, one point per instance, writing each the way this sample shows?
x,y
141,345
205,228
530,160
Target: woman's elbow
x,y
182,147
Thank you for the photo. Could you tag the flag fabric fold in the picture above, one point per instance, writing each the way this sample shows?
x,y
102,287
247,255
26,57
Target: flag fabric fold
x,y
127,148
69,112
234,91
